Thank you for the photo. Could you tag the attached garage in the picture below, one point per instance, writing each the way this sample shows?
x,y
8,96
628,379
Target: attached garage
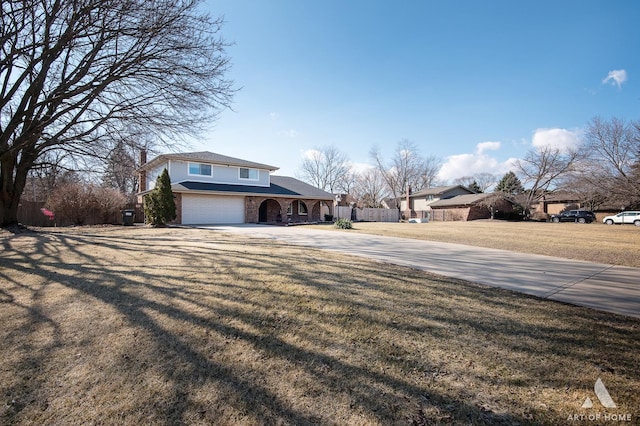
x,y
209,209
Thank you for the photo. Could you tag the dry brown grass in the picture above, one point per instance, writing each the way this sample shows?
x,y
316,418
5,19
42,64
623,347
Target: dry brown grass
x,y
183,326
615,245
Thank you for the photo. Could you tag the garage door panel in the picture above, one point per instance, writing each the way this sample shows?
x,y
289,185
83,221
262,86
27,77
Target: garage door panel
x,y
208,209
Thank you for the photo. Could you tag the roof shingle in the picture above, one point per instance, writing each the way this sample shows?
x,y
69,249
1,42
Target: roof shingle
x,y
280,186
209,157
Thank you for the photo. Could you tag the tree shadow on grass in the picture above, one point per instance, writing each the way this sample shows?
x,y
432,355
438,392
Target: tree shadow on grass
x,y
153,296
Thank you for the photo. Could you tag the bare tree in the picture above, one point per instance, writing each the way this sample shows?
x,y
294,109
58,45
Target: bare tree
x,y
78,76
612,148
465,181
486,181
635,168
50,172
120,169
541,169
612,144
370,189
482,181
406,169
348,181
325,168
428,175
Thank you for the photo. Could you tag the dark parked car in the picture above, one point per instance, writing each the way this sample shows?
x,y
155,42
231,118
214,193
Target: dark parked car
x,y
579,216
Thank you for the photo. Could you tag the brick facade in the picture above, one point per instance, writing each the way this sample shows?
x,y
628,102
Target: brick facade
x,y
274,210
474,212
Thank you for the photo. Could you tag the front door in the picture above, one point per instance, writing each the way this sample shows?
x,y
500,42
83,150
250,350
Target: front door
x,y
262,212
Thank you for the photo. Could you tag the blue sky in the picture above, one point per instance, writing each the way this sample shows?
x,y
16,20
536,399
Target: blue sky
x,y
475,83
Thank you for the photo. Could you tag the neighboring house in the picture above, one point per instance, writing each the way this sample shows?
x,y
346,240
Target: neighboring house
x,y
559,201
389,203
211,188
418,204
556,202
471,207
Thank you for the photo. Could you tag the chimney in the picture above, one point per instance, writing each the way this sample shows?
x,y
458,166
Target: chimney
x,y
142,175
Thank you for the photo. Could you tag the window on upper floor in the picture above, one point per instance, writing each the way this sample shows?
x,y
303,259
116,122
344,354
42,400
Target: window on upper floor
x,y
249,174
199,169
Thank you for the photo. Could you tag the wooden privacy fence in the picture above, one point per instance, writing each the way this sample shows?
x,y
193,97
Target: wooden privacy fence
x,y
367,214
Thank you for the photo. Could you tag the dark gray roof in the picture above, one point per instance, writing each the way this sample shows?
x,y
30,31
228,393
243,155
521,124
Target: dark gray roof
x,y
208,157
462,200
439,190
280,186
300,187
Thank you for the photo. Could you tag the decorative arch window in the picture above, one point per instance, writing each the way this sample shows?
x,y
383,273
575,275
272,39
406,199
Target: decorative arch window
x,y
302,208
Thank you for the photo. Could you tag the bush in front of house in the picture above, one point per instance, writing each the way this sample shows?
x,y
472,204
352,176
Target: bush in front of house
x,y
159,204
79,203
343,224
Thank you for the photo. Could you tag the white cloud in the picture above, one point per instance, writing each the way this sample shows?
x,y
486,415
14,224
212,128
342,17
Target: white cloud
x,y
487,146
311,154
274,115
616,78
460,165
561,139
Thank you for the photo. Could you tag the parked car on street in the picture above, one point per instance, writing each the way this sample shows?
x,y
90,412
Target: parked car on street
x,y
578,216
622,218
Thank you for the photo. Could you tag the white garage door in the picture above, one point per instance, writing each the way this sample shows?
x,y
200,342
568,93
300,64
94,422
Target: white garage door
x,y
207,209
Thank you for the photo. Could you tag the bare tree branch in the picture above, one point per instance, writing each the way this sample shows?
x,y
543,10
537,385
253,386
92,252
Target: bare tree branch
x,y
406,169
326,168
370,189
541,169
80,76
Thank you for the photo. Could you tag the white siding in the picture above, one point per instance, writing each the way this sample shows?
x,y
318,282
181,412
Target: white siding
x,y
208,209
152,175
219,174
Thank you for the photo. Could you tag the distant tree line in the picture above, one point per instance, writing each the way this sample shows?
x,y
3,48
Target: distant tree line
x,y
603,171
388,179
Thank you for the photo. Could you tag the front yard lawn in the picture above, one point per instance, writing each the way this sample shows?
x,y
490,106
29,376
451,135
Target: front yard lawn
x,y
595,242
134,325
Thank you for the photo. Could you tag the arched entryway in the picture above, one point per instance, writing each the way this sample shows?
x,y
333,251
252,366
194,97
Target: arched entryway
x,y
269,211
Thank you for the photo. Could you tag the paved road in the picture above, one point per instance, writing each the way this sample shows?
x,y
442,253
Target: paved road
x,y
604,287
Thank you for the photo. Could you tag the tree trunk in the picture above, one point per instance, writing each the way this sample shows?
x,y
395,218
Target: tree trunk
x,y
8,212
13,178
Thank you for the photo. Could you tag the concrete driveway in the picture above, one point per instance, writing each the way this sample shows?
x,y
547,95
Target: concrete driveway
x,y
599,286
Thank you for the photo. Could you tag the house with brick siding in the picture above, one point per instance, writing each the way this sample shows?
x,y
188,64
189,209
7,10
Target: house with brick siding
x,y
211,188
471,207
418,204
